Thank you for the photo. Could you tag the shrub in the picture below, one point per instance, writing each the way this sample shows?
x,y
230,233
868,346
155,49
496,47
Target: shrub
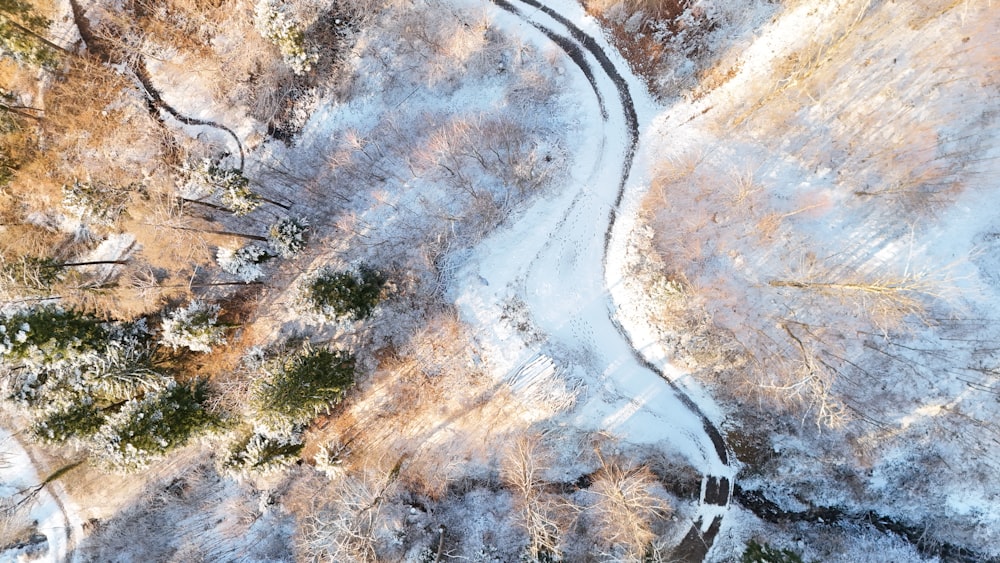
x,y
95,202
261,454
273,23
193,327
288,236
207,177
763,553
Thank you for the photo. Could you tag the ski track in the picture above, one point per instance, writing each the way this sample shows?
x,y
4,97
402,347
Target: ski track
x,y
562,274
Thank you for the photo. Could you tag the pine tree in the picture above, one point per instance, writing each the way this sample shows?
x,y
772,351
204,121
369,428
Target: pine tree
x,y
351,294
243,262
78,378
21,38
288,236
48,334
80,421
126,367
194,327
146,429
297,388
59,360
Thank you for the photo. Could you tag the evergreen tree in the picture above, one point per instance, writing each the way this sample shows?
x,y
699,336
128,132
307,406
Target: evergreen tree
x,y
194,327
48,334
62,359
21,29
146,429
288,236
351,294
126,367
297,388
78,378
243,262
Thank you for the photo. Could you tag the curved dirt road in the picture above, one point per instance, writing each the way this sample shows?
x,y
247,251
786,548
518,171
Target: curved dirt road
x,y
553,259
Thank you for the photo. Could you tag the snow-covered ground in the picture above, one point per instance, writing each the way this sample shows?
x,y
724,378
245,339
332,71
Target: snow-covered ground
x,y
551,259
556,305
55,518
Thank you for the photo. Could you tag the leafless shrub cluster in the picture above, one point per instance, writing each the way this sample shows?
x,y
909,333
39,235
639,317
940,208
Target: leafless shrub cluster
x,y
348,525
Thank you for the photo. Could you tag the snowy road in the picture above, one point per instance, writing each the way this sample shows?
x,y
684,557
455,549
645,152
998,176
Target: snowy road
x,y
563,254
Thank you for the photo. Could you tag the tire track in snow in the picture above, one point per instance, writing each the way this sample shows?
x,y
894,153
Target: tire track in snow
x,y
716,490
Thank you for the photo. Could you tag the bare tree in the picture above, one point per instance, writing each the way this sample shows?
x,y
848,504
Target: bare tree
x,y
626,509
539,513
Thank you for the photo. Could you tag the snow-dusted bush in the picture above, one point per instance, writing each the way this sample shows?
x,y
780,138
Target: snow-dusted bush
x,y
193,327
329,462
243,262
239,199
95,202
273,22
208,177
288,236
262,454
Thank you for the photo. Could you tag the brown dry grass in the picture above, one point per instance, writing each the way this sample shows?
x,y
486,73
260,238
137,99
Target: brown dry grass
x,y
637,43
428,406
